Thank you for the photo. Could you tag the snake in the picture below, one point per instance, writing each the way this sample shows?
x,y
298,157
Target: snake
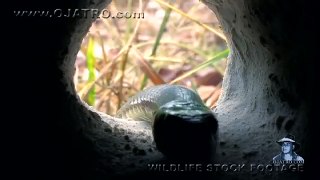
x,y
183,127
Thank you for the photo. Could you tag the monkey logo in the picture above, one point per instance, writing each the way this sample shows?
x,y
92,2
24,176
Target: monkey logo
x,y
288,154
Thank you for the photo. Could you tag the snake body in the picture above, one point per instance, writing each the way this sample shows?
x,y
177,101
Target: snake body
x,y
183,126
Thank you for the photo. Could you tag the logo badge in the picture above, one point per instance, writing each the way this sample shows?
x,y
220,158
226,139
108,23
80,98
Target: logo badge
x,y
288,154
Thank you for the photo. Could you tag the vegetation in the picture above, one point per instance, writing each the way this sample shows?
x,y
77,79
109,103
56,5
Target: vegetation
x,y
177,42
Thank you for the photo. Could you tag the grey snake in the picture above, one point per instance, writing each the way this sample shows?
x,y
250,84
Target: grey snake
x,y
183,126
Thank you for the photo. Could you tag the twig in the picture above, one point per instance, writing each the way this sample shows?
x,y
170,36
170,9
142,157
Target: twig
x,y
192,19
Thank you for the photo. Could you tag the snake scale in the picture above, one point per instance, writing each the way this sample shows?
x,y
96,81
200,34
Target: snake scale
x,y
183,126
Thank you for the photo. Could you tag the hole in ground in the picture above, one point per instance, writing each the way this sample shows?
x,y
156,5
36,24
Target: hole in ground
x,y
108,72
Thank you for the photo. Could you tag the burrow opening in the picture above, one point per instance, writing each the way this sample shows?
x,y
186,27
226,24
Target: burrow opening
x,y
131,46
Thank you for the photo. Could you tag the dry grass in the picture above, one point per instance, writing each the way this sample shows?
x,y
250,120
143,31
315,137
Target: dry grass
x,y
119,57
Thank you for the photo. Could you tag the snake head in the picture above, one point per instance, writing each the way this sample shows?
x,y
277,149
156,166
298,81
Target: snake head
x,y
185,130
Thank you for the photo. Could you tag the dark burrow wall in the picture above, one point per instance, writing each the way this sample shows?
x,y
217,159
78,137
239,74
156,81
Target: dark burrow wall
x,y
268,92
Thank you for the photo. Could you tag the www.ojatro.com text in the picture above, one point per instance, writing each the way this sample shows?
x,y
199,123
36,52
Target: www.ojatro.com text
x,y
78,13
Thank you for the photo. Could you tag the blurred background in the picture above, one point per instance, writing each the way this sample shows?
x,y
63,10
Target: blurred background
x,y
151,42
